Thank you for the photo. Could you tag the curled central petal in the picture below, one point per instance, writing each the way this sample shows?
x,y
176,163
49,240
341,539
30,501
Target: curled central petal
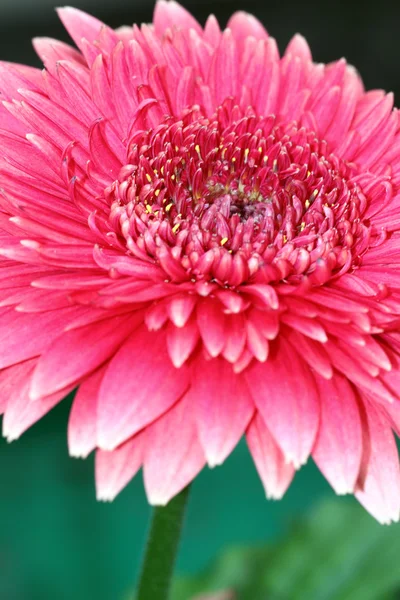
x,y
238,196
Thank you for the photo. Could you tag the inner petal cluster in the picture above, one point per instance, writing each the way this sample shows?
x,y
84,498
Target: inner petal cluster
x,y
237,198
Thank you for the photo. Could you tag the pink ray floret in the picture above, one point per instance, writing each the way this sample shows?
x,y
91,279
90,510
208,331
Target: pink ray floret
x,y
203,237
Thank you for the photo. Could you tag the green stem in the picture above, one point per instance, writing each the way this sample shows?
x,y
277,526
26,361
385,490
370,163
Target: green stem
x,y
162,547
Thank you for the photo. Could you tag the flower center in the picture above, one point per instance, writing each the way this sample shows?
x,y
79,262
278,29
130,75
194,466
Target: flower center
x,y
238,196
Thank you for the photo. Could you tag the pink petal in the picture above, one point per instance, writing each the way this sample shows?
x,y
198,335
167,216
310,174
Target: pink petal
x,y
115,469
171,15
180,308
285,393
31,334
181,342
235,337
298,46
275,473
82,434
243,24
222,405
13,380
22,413
80,351
338,447
173,455
81,25
380,493
50,51
139,385
211,322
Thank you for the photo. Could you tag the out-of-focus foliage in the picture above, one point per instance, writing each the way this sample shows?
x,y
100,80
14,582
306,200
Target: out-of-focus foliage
x,y
339,553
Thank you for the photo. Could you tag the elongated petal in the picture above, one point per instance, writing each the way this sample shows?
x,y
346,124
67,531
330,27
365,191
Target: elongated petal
x,y
275,472
139,385
380,493
173,455
114,469
223,407
82,432
285,393
338,447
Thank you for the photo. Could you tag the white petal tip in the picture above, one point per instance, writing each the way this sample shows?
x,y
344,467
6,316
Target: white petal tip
x,y
106,445
158,500
276,495
104,496
79,452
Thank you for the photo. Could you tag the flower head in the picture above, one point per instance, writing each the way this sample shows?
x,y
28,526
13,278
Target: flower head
x,y
204,237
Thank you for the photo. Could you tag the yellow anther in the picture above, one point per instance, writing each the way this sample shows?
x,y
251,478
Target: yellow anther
x,y
314,194
173,177
176,148
148,208
275,165
176,227
265,159
155,171
260,149
197,148
234,159
223,241
302,226
307,204
157,193
162,170
148,177
284,239
308,173
169,206
246,154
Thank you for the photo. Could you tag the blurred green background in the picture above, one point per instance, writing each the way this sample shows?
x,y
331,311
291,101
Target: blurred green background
x,y
58,543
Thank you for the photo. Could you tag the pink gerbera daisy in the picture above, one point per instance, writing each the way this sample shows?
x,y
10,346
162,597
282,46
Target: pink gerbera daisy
x,y
204,237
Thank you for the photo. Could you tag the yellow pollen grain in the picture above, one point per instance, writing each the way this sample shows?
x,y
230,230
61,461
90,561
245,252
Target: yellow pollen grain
x,y
148,177
234,159
169,206
223,241
155,171
176,227
157,193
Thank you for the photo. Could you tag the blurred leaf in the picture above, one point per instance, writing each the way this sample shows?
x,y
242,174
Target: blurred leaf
x,y
339,553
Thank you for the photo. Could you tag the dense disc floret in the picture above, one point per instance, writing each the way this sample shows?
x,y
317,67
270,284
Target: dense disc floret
x,y
237,198
203,238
